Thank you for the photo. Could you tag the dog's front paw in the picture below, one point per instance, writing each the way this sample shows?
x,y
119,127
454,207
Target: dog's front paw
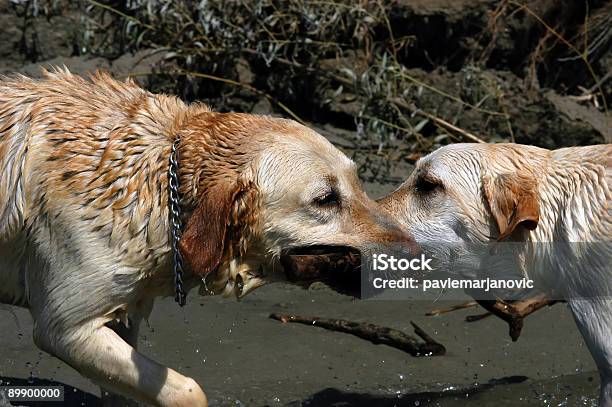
x,y
190,395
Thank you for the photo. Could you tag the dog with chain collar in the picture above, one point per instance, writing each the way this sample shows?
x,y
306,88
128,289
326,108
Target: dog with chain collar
x,y
98,178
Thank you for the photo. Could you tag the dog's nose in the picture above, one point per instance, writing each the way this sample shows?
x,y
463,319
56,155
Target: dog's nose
x,y
389,236
401,240
397,237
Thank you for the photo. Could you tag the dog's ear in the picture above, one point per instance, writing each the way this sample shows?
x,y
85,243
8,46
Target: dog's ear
x,y
514,201
220,213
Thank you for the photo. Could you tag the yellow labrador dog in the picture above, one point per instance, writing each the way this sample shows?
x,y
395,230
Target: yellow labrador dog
x,y
86,233
471,194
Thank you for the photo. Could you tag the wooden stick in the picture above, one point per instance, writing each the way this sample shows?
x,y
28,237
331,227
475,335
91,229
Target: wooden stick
x,y
440,311
340,270
514,313
403,104
374,333
511,312
477,317
450,126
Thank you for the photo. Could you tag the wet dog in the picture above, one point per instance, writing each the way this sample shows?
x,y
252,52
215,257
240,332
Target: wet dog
x,y
84,216
465,195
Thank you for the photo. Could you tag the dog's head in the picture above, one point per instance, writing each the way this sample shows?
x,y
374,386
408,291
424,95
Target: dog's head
x,y
469,193
263,187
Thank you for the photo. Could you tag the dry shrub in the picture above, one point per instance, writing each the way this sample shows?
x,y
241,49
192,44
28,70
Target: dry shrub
x,y
337,61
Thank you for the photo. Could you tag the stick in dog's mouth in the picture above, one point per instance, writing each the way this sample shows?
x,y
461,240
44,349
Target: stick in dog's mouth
x,y
337,266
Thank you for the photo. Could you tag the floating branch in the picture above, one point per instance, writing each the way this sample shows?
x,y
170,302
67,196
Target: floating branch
x,y
374,333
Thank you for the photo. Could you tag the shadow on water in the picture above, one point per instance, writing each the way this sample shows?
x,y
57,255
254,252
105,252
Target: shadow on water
x,y
335,397
72,395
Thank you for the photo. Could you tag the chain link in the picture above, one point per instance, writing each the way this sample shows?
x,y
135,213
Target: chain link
x,y
175,223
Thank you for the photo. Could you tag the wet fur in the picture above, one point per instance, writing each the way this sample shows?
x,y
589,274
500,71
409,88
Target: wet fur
x,y
84,233
493,192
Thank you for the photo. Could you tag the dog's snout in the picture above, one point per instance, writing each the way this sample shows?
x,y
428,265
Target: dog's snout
x,y
388,232
402,238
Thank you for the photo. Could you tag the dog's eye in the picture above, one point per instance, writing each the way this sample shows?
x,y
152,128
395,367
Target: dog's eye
x,y
427,185
328,199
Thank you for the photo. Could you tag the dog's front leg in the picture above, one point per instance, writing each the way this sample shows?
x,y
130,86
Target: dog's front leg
x,y
127,329
97,352
593,316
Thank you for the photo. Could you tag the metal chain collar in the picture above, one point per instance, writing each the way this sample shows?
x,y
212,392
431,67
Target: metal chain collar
x,y
175,223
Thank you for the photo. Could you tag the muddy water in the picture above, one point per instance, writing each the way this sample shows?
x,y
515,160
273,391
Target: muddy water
x,y
243,358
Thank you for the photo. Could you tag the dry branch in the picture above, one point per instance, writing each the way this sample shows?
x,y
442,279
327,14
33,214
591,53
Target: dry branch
x,y
374,333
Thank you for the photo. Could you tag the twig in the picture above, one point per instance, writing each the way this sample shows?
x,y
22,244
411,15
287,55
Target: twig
x,y
477,317
374,333
403,104
229,82
440,311
248,87
127,17
511,312
400,103
514,313
600,82
449,96
583,56
451,126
